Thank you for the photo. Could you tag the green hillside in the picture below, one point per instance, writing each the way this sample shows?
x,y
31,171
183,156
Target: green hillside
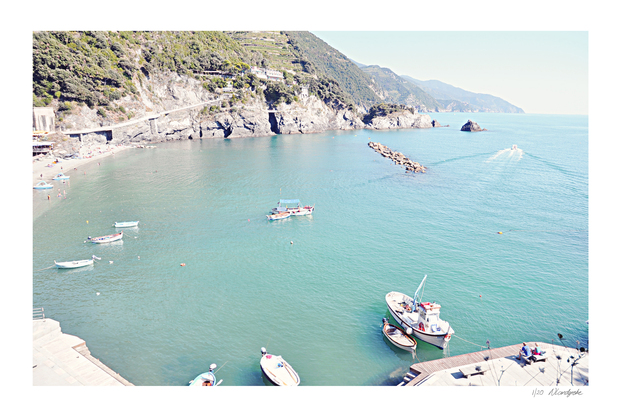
x,y
398,90
320,58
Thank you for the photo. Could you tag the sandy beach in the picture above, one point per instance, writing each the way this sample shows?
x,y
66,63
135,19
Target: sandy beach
x,y
44,167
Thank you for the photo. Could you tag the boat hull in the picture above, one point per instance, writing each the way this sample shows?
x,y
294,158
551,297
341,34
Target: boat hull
x,y
107,238
278,216
283,375
401,316
74,264
126,224
200,379
398,337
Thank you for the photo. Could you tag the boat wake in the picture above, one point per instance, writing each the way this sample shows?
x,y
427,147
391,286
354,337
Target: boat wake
x,y
508,154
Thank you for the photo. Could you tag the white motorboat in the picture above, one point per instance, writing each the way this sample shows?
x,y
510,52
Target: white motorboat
x,y
126,224
399,337
277,370
514,147
206,378
423,318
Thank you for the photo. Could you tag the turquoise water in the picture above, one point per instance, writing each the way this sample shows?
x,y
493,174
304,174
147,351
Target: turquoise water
x,y
319,301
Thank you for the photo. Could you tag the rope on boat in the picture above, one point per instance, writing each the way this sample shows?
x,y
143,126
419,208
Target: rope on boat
x,y
51,266
483,347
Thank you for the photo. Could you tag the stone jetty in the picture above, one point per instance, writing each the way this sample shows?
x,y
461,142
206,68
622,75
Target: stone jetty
x,y
397,157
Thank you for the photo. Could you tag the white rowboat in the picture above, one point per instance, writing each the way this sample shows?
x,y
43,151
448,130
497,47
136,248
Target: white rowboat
x,y
125,224
108,238
74,264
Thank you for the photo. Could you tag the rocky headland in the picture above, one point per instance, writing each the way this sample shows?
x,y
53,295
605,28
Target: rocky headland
x,y
398,158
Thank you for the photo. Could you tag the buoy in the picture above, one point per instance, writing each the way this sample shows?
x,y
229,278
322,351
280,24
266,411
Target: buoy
x,y
97,293
139,256
110,262
500,233
291,242
183,264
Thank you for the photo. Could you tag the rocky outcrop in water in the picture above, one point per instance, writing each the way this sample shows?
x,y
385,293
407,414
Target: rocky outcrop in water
x,y
436,124
397,157
472,126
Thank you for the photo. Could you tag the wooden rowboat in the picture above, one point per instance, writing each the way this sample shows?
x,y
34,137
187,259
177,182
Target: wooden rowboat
x,y
277,370
277,216
107,238
398,337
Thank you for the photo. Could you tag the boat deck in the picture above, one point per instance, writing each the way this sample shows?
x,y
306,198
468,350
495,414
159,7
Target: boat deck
x,y
502,369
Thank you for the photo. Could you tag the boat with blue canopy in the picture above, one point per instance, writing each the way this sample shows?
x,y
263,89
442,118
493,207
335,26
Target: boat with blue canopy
x,y
42,185
292,206
61,176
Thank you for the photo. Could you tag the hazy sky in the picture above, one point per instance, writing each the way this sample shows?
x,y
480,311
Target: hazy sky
x,y
540,72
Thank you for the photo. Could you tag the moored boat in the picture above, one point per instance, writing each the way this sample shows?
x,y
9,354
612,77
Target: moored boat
x,y
206,378
296,210
277,370
423,318
60,176
277,216
125,224
75,264
399,337
42,185
106,238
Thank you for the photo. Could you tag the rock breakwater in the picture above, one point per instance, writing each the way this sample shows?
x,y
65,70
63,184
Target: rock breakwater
x,y
398,158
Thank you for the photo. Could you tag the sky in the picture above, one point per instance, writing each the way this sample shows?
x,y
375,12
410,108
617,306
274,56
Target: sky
x,y
542,72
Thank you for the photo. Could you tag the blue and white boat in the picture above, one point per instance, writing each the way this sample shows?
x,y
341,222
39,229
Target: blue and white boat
x,y
42,185
126,224
206,378
295,207
61,176
420,319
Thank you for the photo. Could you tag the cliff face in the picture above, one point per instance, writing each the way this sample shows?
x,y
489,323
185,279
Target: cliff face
x,y
174,108
404,119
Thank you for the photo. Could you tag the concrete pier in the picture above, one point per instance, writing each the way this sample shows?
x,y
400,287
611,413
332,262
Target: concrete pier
x,y
502,367
61,359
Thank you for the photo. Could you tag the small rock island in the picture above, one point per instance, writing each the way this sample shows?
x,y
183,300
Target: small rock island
x,y
472,126
397,157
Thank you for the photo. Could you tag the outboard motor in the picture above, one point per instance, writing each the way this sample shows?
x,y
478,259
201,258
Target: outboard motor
x,y
263,351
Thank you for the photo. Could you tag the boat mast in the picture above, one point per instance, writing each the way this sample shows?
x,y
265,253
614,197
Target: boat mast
x,y
417,300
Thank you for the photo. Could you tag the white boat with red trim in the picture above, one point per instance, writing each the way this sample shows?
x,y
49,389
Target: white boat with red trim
x,y
107,238
423,318
277,370
296,210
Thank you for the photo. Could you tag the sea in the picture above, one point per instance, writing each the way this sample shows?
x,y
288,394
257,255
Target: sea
x,y
500,233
